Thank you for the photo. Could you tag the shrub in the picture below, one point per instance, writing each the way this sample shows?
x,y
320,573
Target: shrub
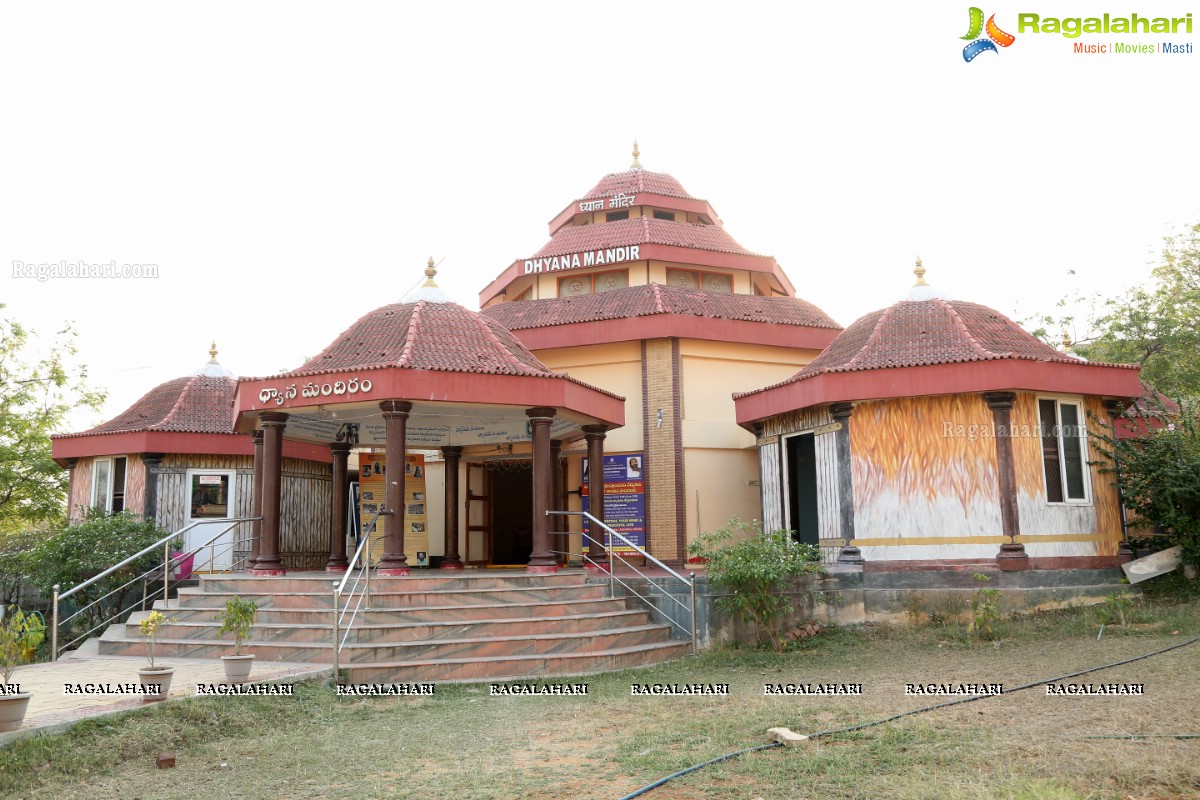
x,y
754,567
73,553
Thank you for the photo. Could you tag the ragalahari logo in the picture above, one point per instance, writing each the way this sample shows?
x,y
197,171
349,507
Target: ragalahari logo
x,y
995,36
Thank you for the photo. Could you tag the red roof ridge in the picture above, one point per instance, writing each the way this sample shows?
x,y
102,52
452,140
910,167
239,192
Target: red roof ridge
x,y
970,338
486,323
658,298
170,415
410,334
887,312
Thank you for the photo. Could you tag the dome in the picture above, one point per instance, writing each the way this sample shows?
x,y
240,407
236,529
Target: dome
x,y
195,404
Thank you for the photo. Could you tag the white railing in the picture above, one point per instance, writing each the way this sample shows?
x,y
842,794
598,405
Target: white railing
x,y
359,569
613,538
168,564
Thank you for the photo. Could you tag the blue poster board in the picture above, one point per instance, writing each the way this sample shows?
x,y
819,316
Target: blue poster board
x,y
624,500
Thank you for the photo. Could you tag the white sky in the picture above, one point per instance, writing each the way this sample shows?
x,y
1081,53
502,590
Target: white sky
x,y
291,166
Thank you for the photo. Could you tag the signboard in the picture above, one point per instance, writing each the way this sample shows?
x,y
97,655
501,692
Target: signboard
x,y
624,500
372,469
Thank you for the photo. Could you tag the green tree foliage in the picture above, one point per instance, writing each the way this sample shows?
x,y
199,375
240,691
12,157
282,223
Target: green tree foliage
x,y
36,395
755,568
73,553
1157,325
1159,473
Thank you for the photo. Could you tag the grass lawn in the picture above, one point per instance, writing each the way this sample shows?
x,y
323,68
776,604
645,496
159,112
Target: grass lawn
x,y
463,743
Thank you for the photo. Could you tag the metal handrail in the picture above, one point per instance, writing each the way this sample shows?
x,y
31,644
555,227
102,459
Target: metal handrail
x,y
361,557
690,581
169,561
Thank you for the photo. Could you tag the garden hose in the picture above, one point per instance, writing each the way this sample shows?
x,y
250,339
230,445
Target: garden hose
x,y
873,723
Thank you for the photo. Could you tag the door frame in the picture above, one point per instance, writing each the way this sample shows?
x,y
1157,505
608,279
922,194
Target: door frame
x,y
223,557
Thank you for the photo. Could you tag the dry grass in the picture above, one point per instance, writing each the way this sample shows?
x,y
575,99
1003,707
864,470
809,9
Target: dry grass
x,y
464,744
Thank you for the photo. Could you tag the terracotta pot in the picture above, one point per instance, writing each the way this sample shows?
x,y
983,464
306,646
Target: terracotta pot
x,y
12,710
156,676
237,668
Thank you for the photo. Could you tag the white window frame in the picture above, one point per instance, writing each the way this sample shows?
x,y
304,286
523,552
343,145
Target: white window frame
x,y
1084,450
107,501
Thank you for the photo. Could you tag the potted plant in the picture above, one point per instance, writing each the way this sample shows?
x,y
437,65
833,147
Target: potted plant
x,y
155,678
20,636
237,618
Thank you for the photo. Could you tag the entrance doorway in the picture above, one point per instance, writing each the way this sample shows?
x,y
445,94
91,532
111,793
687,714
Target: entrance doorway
x,y
212,505
802,488
499,513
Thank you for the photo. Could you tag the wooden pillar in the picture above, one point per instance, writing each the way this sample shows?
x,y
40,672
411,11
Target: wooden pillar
x,y
841,413
1012,554
541,559
152,462
395,420
269,563
339,485
450,556
1114,409
594,435
256,499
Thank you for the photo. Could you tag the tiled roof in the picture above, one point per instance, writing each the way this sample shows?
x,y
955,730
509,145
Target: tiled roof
x,y
640,230
431,336
196,404
642,301
925,332
634,181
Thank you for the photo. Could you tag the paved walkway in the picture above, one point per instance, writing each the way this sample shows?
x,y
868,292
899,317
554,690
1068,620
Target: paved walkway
x,y
52,708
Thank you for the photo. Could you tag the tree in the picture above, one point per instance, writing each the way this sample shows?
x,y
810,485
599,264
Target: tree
x,y
1157,326
36,396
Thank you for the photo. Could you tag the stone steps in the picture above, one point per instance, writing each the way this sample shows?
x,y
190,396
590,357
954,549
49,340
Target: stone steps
x,y
461,627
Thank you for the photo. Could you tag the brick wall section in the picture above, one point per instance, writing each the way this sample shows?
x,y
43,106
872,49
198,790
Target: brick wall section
x,y
662,479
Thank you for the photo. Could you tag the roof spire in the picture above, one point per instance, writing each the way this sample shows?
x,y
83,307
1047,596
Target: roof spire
x,y
636,164
920,273
428,290
213,369
1066,343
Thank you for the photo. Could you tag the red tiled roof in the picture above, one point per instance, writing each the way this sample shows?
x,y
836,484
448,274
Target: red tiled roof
x,y
640,230
634,181
196,404
926,332
641,301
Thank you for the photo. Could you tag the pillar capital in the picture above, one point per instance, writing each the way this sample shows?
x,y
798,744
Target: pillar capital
x,y
272,419
395,407
152,459
541,412
1114,408
340,448
1000,401
840,412
595,430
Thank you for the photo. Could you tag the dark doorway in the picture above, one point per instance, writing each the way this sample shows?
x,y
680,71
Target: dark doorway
x,y
802,488
512,512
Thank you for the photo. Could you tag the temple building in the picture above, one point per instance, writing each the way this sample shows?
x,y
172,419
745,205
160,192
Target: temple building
x,y
173,457
937,430
642,291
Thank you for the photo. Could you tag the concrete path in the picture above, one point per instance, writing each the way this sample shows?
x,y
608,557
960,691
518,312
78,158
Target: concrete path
x,y
54,708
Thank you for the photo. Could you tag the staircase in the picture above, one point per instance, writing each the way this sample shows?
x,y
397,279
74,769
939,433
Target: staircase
x,y
463,627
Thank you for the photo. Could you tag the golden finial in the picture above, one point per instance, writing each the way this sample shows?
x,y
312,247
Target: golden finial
x,y
212,351
1066,342
430,271
920,273
636,164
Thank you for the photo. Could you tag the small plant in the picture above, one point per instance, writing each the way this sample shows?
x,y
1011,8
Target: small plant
x,y
914,608
1114,608
985,609
20,636
755,567
237,618
151,628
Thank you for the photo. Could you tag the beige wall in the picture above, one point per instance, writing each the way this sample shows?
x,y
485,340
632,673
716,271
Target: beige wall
x,y
614,368
719,481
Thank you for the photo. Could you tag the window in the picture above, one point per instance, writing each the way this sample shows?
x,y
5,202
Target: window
x,y
615,216
108,484
210,495
708,281
608,281
669,216
1064,449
